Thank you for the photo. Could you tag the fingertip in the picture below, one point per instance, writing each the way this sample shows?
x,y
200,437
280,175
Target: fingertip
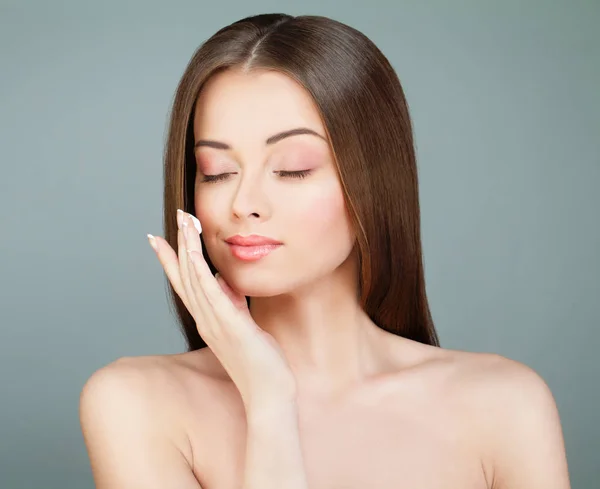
x,y
220,280
153,242
197,224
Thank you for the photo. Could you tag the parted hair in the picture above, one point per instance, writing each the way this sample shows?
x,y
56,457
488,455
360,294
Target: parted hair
x,y
366,116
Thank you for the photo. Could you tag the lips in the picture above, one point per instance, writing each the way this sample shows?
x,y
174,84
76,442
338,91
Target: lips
x,y
252,240
251,248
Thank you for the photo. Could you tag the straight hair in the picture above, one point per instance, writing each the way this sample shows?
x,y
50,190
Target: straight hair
x,y
365,113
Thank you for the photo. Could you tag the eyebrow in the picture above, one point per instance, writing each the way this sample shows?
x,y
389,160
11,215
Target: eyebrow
x,y
271,140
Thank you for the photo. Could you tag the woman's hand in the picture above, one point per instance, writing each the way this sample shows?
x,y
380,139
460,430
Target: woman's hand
x,y
251,356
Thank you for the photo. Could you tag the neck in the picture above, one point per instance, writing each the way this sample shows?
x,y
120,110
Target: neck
x,y
329,341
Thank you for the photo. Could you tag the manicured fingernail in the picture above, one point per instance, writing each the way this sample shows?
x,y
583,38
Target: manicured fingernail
x,y
196,223
179,218
153,242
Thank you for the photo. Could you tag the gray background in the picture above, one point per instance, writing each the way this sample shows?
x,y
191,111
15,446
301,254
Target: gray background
x,y
506,108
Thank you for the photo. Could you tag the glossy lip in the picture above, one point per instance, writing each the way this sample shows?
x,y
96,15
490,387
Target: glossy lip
x,y
252,240
251,253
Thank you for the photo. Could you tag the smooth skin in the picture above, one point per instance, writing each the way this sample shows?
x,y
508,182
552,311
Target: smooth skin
x,y
302,390
251,357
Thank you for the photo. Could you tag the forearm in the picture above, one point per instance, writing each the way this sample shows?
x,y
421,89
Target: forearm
x,y
273,453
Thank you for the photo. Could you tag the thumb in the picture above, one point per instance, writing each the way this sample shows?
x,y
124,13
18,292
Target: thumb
x,y
238,300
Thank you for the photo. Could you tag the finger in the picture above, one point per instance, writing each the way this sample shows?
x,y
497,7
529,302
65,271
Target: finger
x,y
220,304
205,318
193,230
184,266
238,300
202,281
170,263
197,307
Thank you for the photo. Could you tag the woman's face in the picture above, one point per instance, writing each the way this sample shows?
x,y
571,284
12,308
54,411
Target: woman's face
x,y
305,212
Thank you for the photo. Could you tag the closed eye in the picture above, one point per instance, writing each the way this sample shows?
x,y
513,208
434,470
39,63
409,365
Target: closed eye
x,y
294,174
282,173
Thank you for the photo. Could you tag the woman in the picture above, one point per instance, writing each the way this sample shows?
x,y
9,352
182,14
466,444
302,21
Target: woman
x,y
290,141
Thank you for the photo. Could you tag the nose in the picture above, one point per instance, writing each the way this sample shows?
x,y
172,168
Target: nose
x,y
250,200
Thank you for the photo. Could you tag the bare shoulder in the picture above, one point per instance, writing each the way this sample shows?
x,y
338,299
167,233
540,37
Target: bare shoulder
x,y
493,386
485,377
133,419
512,412
498,386
157,379
492,378
156,388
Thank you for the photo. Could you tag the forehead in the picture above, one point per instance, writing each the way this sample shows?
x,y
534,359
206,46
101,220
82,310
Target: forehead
x,y
237,107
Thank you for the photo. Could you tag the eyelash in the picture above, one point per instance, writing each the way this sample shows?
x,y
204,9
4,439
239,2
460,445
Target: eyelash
x,y
289,174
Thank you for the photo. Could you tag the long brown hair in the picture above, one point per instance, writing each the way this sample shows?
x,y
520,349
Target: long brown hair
x,y
366,117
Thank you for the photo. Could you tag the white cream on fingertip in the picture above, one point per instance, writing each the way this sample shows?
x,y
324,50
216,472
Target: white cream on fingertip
x,y
197,224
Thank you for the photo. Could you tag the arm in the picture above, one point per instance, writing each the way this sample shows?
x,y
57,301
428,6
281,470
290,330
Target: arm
x,y
126,435
527,441
273,452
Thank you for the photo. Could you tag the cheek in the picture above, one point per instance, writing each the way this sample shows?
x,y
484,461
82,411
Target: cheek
x,y
211,220
204,214
324,219
211,206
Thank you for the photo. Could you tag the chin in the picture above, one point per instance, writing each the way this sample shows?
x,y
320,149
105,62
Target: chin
x,y
252,282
